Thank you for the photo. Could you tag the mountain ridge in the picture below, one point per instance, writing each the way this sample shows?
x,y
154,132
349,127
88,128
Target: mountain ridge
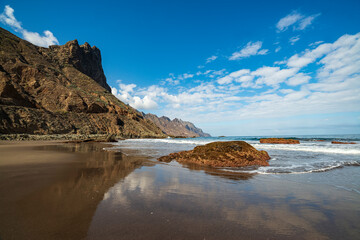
x,y
176,127
61,90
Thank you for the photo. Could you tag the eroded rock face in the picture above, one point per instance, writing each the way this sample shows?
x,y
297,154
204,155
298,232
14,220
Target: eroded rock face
x,y
60,90
176,127
221,154
279,141
84,58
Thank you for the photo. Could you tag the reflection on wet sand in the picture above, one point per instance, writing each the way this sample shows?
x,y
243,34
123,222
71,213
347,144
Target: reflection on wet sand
x,y
84,192
220,172
171,202
58,200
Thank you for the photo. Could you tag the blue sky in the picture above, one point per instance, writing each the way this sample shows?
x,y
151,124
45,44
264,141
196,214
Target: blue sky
x,y
231,67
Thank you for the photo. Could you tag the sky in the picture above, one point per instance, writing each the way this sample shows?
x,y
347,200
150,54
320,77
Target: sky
x,y
230,67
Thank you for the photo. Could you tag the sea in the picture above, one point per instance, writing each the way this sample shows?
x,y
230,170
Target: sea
x,y
315,153
309,190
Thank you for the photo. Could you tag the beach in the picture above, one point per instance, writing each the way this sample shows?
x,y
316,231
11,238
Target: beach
x,y
55,190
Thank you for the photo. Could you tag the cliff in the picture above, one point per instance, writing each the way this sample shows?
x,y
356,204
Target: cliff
x,y
176,127
61,90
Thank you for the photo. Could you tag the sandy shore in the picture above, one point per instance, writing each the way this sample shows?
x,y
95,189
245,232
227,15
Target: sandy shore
x,y
52,190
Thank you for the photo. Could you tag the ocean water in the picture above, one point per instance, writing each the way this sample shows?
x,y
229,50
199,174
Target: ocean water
x,y
313,154
310,191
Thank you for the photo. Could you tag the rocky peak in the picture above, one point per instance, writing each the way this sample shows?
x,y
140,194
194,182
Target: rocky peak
x,y
163,118
86,46
84,58
175,127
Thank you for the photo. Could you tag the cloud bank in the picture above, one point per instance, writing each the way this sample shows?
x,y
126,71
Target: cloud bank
x,y
331,85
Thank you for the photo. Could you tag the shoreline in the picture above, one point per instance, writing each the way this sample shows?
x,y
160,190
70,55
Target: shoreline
x,y
72,137
48,186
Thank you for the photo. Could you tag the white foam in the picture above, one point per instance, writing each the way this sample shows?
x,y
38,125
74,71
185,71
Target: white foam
x,y
296,169
304,147
171,140
310,148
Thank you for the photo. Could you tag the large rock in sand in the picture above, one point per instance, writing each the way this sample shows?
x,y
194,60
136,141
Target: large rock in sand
x,y
221,154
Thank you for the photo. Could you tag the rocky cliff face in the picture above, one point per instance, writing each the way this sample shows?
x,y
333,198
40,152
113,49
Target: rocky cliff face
x,y
84,58
176,127
61,89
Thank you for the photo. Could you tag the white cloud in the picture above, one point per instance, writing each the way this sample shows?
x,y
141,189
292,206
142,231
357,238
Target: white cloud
x,y
332,85
212,73
239,73
44,41
185,76
295,19
273,76
270,76
315,43
294,39
234,76
306,22
172,81
289,20
278,49
124,93
212,58
343,61
263,52
249,50
298,79
8,18
336,87
176,80
309,56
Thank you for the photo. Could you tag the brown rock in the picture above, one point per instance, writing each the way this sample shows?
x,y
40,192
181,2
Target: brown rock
x,y
221,154
279,141
61,90
176,128
336,142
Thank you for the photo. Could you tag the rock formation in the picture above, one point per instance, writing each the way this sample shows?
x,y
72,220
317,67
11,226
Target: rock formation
x,y
61,90
221,154
279,141
176,127
336,142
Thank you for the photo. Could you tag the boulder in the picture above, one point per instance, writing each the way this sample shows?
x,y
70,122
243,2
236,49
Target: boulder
x,y
279,141
221,154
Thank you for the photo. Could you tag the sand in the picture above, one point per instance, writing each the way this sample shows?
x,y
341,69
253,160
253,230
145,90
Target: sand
x,y
52,190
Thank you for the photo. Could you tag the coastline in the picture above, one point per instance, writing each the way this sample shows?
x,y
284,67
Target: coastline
x,y
50,189
59,137
56,190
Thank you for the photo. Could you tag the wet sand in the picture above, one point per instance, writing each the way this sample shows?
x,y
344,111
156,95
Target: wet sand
x,y
51,190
